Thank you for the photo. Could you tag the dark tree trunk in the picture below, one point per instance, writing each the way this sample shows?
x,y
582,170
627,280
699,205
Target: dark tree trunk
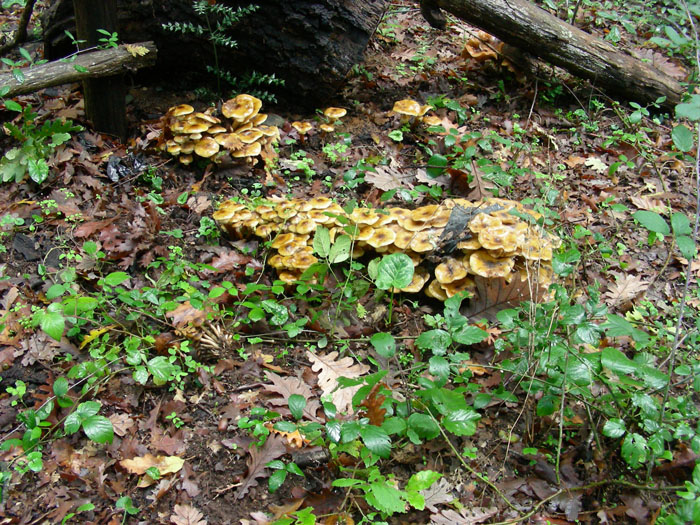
x,y
105,97
311,44
523,25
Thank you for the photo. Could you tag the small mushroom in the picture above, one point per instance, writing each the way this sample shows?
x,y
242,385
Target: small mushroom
x,y
364,216
250,150
181,110
302,128
381,237
420,277
455,287
410,111
435,291
334,114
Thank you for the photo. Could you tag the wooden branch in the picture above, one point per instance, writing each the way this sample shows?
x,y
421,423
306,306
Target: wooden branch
x,y
523,25
100,63
21,33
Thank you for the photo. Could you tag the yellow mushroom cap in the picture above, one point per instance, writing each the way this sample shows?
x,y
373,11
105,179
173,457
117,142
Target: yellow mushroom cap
x,y
227,211
536,248
364,216
424,241
502,238
484,264
327,128
216,129
407,107
230,141
435,291
450,270
431,120
320,203
195,127
424,213
302,127
205,117
185,159
483,221
455,287
206,147
259,119
469,244
241,108
250,135
304,226
420,277
381,237
182,109
250,150
282,239
335,113
403,239
288,277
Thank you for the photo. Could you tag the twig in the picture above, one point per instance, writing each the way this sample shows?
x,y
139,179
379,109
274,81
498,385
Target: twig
x,y
21,33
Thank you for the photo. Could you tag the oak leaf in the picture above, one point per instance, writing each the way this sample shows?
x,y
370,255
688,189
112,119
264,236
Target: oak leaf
x,y
287,386
164,464
625,289
187,515
136,51
330,369
493,295
259,457
388,178
438,493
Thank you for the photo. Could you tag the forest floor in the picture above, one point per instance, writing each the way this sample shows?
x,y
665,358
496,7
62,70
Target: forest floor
x,y
123,233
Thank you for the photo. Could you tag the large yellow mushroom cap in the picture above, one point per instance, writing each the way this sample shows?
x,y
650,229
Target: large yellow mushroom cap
x,y
335,113
206,147
407,107
484,264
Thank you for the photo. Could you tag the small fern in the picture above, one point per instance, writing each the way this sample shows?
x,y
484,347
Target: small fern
x,y
217,21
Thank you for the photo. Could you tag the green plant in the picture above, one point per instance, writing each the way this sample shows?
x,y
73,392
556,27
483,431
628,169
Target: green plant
x,y
38,143
218,22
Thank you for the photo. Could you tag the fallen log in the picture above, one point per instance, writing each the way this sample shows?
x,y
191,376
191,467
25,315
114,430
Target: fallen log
x,y
521,24
93,64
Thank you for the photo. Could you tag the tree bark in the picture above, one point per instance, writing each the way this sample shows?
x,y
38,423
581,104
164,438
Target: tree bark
x,y
523,25
105,98
310,44
99,63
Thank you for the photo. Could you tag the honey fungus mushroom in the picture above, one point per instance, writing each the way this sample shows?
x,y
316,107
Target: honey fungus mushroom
x,y
410,111
496,244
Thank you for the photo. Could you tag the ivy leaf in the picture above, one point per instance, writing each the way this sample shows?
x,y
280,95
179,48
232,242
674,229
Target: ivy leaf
x,y
614,428
394,271
652,221
376,440
53,324
116,278
297,403
384,344
423,426
616,361
99,429
634,450
461,422
322,241
683,138
436,340
161,368
276,479
385,497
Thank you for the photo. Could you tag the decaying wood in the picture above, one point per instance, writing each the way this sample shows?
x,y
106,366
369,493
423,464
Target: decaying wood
x,y
100,63
523,25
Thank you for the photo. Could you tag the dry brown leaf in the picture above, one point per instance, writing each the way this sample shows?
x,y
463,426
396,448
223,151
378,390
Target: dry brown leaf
x,y
330,369
286,386
493,295
625,289
259,457
481,187
164,464
186,313
438,493
187,515
597,165
121,422
389,177
648,202
466,516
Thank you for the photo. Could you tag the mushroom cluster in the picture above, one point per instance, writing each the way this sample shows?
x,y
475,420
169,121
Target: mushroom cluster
x,y
186,132
496,242
413,112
